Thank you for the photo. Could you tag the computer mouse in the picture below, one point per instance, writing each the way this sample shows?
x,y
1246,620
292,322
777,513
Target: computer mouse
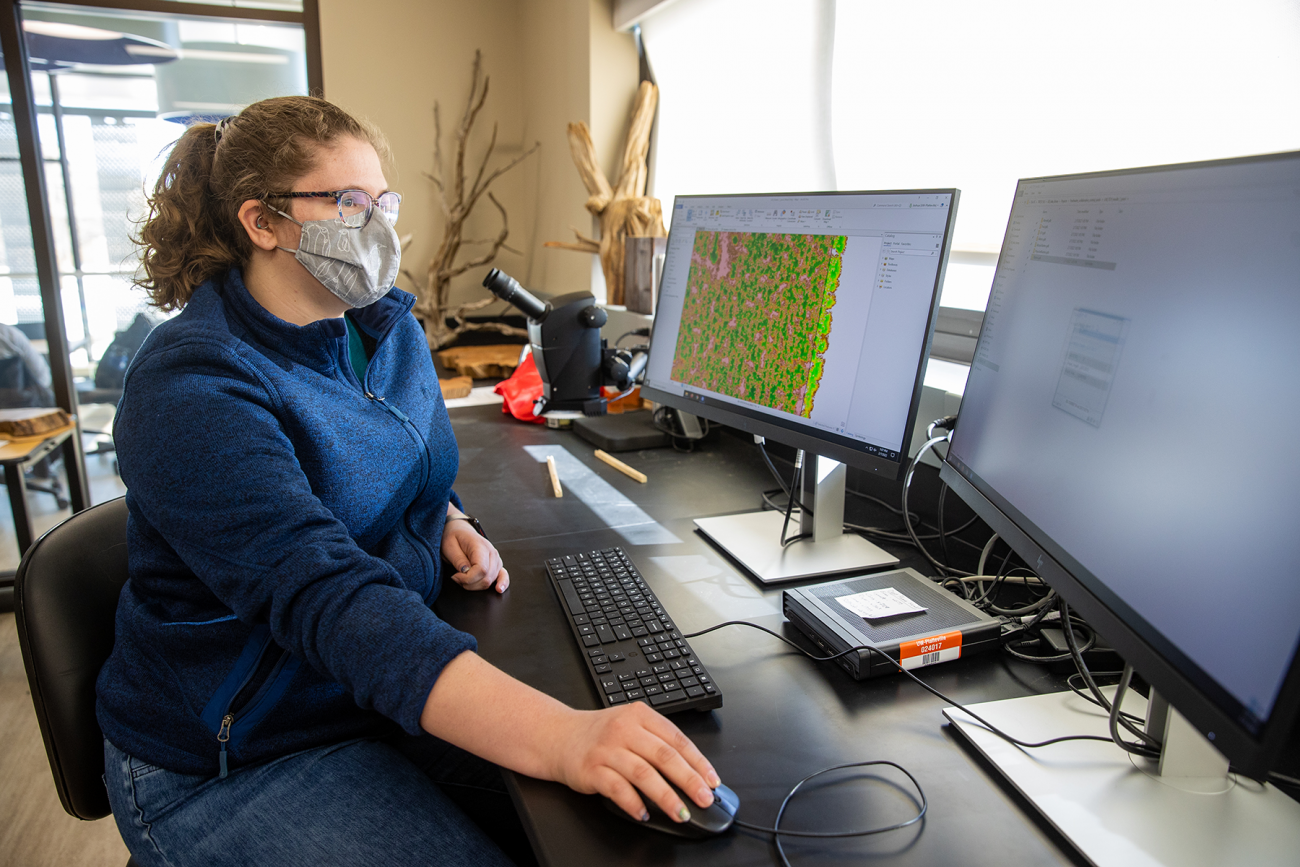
x,y
707,822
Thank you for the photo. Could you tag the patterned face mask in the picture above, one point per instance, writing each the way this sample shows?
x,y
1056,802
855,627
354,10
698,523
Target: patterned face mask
x,y
357,265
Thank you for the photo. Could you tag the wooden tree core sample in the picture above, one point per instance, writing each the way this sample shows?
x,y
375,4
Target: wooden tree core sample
x,y
481,362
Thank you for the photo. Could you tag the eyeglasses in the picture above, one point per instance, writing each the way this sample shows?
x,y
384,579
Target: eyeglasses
x,y
355,206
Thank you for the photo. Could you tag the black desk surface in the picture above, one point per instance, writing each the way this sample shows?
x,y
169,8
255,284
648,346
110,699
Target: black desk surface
x,y
783,716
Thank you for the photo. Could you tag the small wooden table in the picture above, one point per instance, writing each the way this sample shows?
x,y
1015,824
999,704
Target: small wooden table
x,y
15,454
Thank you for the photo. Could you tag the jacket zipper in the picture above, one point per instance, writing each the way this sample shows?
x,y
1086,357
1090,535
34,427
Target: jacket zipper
x,y
228,720
419,544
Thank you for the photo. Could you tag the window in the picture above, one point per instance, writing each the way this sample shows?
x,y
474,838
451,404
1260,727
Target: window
x,y
954,93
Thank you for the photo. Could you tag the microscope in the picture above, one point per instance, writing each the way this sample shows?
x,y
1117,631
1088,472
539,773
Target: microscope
x,y
572,359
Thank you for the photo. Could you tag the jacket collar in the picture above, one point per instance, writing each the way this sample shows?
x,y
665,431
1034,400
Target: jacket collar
x,y
315,344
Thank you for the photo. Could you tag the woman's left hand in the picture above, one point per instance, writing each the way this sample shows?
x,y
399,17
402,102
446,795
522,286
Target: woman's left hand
x,y
475,560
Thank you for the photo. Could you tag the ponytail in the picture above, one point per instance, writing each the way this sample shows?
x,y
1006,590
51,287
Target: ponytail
x,y
192,233
181,246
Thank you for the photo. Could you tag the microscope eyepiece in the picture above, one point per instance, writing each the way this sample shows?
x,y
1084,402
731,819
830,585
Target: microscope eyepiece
x,y
508,289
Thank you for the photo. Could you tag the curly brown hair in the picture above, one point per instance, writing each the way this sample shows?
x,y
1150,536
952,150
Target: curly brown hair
x,y
192,231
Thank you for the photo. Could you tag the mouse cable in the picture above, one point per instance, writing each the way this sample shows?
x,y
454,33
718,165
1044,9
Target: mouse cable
x,y
988,725
778,832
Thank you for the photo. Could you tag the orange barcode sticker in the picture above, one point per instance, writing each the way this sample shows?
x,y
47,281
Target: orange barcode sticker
x,y
929,650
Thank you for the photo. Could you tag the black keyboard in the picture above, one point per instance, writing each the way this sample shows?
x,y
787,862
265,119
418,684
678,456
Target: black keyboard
x,y
633,650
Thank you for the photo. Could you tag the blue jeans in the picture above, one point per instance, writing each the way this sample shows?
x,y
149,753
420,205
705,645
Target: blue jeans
x,y
361,802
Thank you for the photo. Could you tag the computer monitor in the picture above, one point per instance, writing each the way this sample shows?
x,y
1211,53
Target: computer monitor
x,y
1124,428
805,318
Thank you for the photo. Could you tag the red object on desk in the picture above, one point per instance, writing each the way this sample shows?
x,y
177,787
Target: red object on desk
x,y
520,391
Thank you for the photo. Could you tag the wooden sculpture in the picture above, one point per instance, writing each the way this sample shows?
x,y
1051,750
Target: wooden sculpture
x,y
623,209
458,195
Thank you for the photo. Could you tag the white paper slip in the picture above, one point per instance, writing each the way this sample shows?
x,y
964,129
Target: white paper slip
x,y
878,604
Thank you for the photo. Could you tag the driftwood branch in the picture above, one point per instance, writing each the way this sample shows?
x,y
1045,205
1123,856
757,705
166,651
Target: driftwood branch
x,y
623,209
457,196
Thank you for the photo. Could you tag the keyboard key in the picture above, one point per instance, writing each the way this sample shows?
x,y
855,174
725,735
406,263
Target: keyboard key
x,y
653,657
611,686
640,630
654,690
653,626
675,695
626,676
661,668
678,665
695,691
635,694
590,640
604,669
642,672
622,633
648,681
605,633
616,657
690,681
617,698
668,678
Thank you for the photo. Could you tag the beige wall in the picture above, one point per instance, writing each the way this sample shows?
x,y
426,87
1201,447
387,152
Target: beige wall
x,y
550,62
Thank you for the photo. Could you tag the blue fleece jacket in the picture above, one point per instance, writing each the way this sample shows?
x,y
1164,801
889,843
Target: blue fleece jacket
x,y
284,529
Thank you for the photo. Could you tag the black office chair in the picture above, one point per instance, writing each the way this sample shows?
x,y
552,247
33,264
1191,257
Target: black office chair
x,y
65,602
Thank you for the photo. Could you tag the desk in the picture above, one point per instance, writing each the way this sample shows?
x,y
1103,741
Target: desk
x,y
783,717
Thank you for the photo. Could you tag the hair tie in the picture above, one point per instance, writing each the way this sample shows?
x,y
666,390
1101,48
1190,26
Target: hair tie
x,y
220,129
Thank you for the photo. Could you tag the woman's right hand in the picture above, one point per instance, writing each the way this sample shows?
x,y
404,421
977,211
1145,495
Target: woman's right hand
x,y
621,749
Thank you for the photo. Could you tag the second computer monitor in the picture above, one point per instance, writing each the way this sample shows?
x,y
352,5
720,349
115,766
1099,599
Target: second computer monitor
x,y
803,317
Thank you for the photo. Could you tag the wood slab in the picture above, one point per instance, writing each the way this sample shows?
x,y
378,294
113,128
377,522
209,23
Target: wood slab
x,y
455,386
482,362
32,421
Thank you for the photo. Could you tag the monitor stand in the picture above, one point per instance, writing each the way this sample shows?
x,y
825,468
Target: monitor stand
x,y
753,539
1118,809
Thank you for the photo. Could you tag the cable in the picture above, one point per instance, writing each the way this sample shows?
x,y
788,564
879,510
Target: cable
x,y
992,728
1149,744
943,538
796,484
1069,681
657,419
907,520
778,832
1151,749
639,332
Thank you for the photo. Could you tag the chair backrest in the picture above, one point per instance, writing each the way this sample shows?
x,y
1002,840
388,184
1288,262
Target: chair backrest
x,y
65,603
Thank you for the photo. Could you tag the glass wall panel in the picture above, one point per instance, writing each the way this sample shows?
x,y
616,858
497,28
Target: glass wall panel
x,y
114,90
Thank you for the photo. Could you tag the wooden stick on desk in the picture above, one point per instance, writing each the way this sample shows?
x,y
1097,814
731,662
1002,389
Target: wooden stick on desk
x,y
620,466
555,476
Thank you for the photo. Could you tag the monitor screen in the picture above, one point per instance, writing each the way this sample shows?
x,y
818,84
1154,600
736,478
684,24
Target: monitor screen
x,y
805,317
1120,426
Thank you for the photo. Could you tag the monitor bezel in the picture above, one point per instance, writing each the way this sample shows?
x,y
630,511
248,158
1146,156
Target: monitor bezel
x,y
1145,648
798,435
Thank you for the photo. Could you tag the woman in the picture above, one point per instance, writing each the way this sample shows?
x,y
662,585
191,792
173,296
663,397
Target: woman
x,y
280,691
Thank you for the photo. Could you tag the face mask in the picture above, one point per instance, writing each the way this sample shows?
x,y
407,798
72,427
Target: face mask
x,y
357,265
